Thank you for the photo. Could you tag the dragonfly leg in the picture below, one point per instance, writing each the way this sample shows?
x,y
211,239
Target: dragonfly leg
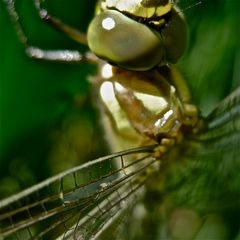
x,y
177,80
58,24
68,56
62,55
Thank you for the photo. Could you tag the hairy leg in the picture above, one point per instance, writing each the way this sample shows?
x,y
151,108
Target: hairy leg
x,y
58,24
60,55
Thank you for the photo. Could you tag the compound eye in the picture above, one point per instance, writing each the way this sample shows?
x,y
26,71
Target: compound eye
x,y
124,42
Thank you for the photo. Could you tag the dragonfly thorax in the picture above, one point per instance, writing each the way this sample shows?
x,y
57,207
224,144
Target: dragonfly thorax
x,y
139,107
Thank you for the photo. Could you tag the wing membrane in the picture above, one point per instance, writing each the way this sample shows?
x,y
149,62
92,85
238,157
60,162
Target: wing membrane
x,y
208,163
104,214
77,190
199,177
84,201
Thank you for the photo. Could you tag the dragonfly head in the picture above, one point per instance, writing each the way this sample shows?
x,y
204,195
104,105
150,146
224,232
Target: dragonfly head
x,y
138,43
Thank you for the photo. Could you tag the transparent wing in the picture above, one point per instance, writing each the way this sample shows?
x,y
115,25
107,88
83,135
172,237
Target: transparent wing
x,y
215,153
84,196
200,173
108,211
201,185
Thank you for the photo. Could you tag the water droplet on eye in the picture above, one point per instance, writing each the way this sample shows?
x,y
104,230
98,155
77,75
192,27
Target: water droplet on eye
x,y
108,23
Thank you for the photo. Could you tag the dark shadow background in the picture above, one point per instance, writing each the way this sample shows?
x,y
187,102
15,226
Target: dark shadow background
x,y
47,123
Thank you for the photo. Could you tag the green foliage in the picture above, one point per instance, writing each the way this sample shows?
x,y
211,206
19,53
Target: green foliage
x,y
212,61
40,101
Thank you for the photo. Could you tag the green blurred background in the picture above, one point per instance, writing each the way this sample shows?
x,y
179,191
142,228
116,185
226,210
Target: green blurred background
x,y
47,121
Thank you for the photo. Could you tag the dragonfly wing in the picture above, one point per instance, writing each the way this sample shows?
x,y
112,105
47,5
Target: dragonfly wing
x,y
61,201
196,186
196,194
200,193
215,153
109,211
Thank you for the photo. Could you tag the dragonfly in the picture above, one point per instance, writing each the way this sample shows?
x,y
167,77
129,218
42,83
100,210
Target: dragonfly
x,y
162,187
